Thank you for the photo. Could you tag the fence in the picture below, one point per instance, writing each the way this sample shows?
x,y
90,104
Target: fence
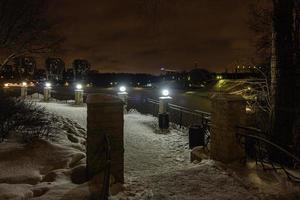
x,y
179,115
268,154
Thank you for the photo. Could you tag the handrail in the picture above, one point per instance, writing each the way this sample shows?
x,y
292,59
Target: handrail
x,y
271,144
184,109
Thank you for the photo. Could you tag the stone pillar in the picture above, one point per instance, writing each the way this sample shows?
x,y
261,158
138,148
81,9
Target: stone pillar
x,y
105,116
163,104
23,92
124,97
6,88
228,111
78,97
47,94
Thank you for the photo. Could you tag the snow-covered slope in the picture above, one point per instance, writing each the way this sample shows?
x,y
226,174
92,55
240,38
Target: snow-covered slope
x,y
157,164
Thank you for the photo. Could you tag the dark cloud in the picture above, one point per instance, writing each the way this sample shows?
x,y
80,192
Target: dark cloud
x,y
127,36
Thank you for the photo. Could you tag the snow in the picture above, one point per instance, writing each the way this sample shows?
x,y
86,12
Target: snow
x,y
157,164
70,111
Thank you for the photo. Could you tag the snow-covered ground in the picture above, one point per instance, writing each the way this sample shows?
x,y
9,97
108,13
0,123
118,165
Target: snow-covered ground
x,y
157,166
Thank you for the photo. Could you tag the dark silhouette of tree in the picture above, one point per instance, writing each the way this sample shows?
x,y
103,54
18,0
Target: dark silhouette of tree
x,y
260,23
276,26
25,28
285,60
81,68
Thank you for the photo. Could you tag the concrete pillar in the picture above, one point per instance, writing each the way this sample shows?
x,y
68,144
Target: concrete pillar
x,y
105,116
5,88
163,115
163,104
228,111
47,94
23,92
78,97
124,97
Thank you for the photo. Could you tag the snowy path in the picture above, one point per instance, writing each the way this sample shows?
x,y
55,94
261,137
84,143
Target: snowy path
x,y
157,165
146,152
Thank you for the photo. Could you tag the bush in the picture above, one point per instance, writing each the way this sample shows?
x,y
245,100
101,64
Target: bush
x,y
25,118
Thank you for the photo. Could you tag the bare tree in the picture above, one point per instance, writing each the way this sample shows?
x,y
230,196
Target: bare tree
x,y
276,26
25,28
260,22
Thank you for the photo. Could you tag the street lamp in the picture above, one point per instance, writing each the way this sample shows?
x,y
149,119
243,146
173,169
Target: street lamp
x,y
78,86
24,84
78,94
163,115
47,91
123,95
48,85
165,92
122,89
24,89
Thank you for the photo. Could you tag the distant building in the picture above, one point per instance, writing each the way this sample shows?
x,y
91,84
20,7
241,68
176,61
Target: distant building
x,y
40,75
55,68
69,75
248,69
25,67
81,69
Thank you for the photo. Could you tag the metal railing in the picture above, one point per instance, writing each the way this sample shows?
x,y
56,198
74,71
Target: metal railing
x,y
268,154
179,115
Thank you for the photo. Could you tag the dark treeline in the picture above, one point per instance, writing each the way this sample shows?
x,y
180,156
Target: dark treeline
x,y
112,79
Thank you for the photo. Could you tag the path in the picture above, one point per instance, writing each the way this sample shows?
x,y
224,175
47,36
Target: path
x,y
157,165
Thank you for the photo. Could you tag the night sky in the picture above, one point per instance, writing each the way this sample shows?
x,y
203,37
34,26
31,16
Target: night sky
x,y
125,36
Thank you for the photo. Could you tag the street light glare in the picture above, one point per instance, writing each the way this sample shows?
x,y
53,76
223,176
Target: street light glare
x,y
48,85
122,89
24,84
165,92
78,86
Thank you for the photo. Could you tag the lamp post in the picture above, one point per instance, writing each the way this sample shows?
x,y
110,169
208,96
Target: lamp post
x,y
23,90
123,95
6,87
47,91
163,115
78,95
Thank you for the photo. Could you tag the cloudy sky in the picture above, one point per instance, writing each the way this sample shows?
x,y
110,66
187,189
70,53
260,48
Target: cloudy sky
x,y
145,35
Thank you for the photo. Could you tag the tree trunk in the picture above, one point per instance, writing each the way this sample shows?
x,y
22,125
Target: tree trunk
x,y
283,73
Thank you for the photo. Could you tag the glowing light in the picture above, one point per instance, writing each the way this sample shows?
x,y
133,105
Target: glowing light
x,y
24,84
249,88
165,92
48,85
79,87
122,89
6,85
249,110
219,77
